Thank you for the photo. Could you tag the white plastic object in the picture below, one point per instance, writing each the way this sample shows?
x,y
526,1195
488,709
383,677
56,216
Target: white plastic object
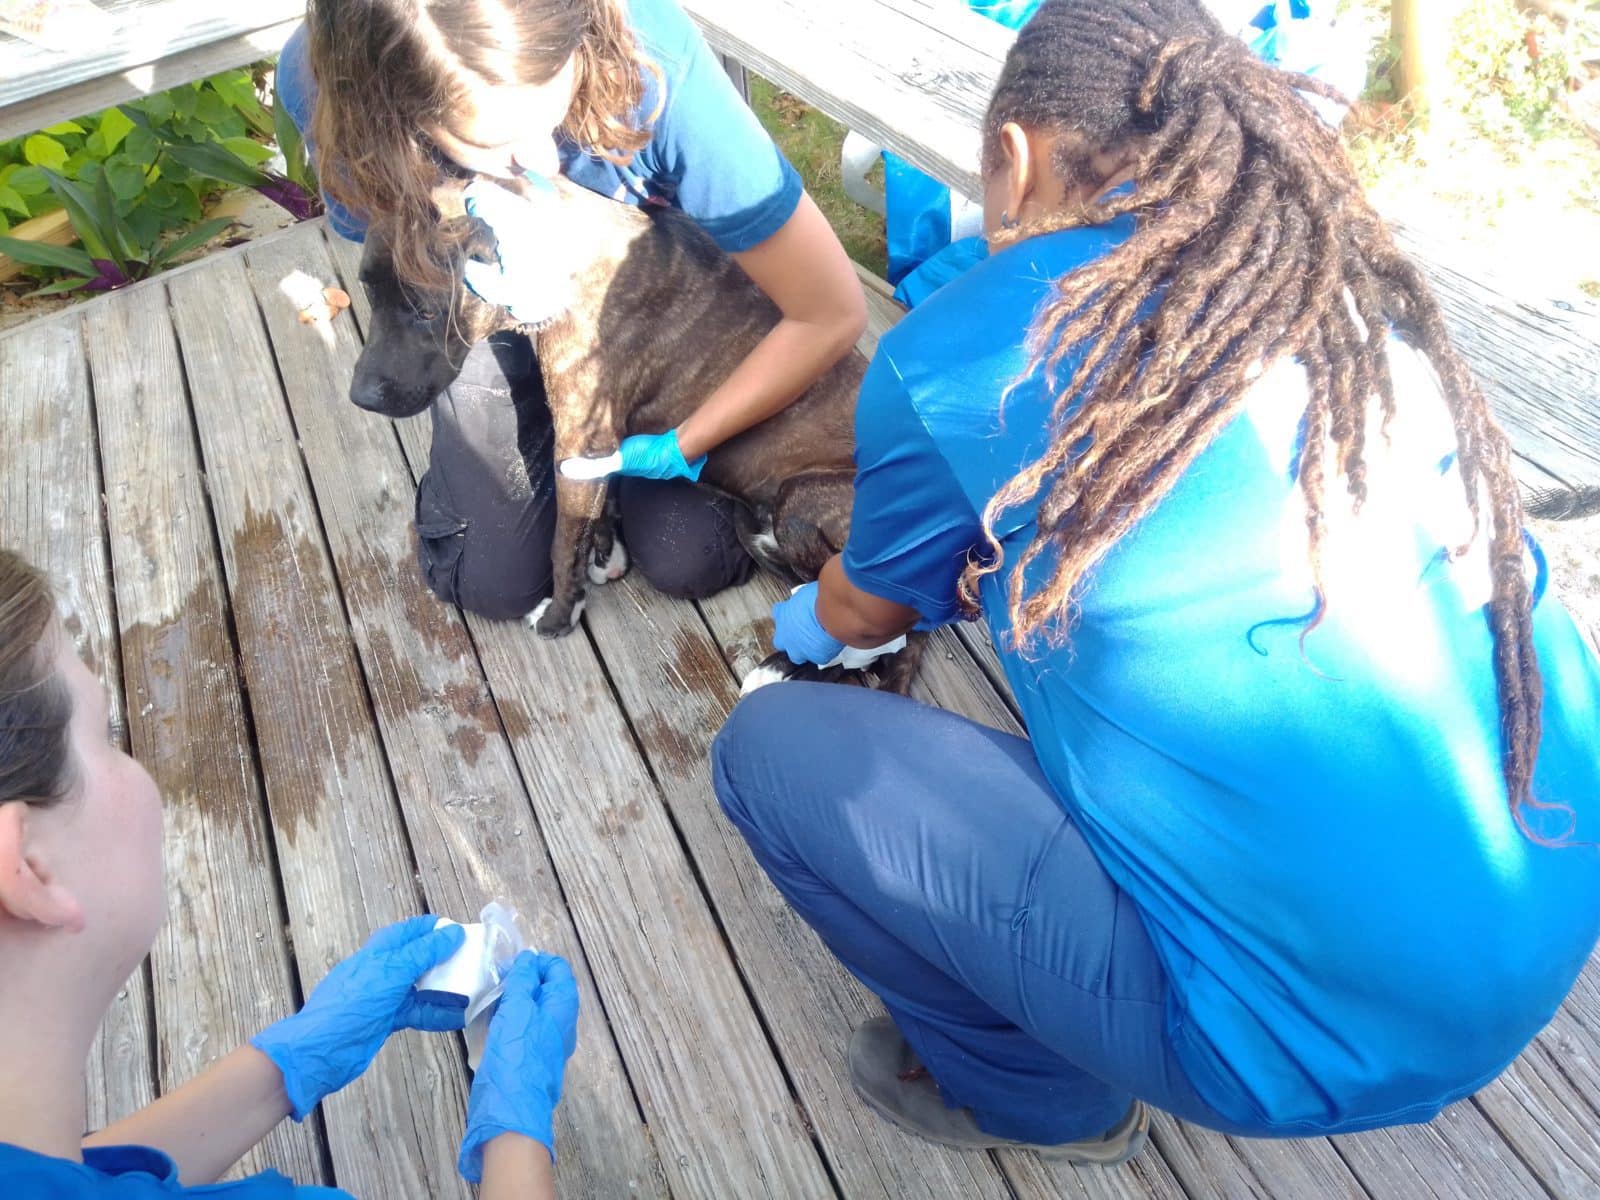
x,y
587,469
857,157
477,970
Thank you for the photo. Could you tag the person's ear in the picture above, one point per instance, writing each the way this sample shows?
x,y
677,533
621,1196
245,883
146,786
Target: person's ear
x,y
1018,169
28,891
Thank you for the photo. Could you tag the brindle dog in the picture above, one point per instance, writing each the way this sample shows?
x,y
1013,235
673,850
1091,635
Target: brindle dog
x,y
657,318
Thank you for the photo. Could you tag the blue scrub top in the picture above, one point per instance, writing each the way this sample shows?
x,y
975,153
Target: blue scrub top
x,y
708,154
1318,838
132,1173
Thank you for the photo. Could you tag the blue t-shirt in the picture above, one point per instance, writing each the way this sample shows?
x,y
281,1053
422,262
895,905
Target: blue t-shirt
x,y
708,154
132,1173
1355,930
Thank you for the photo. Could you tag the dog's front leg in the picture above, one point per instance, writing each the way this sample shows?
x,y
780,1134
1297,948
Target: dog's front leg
x,y
579,508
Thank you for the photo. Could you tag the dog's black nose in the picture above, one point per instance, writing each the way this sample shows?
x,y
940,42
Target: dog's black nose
x,y
368,391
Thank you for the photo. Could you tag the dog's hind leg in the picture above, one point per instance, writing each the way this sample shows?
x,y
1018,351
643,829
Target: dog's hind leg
x,y
811,520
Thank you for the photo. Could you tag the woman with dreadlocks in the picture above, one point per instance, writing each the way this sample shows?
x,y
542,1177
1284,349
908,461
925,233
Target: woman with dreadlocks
x,y
1304,837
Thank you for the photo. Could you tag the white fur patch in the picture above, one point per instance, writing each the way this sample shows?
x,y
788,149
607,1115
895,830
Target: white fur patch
x,y
614,568
761,676
764,544
533,618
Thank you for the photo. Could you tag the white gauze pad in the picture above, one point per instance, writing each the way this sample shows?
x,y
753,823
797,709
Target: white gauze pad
x,y
477,970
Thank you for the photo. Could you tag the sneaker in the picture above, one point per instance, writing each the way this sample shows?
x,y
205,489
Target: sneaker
x,y
885,1071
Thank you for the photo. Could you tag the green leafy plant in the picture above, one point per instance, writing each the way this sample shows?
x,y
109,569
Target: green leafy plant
x,y
134,180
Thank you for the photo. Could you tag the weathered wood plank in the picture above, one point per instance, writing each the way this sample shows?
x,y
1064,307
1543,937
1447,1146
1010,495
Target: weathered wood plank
x,y
466,811
117,83
136,33
221,966
724,1122
51,513
342,850
1481,1162
917,81
678,690
1548,1121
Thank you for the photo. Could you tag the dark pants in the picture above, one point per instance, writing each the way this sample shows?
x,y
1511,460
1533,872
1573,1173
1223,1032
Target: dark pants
x,y
486,508
932,857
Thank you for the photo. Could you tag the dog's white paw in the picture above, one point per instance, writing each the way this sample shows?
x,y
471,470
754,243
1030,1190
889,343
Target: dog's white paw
x,y
768,672
533,619
614,568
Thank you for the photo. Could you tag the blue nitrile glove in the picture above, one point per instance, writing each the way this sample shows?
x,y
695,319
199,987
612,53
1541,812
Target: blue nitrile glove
x,y
531,1035
797,632
352,1012
533,278
645,455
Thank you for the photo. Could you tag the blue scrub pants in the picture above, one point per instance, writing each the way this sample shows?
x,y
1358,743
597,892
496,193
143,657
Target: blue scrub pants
x,y
933,858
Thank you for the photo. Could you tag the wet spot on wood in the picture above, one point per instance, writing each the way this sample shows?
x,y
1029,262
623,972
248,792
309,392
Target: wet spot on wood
x,y
514,715
306,691
614,821
186,720
672,750
469,742
697,665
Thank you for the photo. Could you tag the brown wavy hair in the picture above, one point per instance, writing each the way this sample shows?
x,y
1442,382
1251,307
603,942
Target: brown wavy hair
x,y
35,706
1254,234
388,70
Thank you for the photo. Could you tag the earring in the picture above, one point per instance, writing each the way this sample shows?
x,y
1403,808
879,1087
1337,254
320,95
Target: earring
x,y
1006,222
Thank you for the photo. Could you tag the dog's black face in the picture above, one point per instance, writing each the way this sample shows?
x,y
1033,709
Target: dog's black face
x,y
416,341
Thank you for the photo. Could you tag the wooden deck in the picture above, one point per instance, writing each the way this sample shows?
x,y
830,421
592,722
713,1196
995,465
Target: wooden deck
x,y
338,750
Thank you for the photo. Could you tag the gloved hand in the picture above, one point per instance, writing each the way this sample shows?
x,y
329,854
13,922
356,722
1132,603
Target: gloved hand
x,y
646,455
797,632
352,1012
531,1035
533,278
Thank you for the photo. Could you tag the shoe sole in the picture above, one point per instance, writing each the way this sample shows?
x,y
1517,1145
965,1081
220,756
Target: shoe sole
x,y
1070,1152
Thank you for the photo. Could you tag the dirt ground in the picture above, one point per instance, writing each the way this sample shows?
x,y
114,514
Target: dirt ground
x,y
1573,550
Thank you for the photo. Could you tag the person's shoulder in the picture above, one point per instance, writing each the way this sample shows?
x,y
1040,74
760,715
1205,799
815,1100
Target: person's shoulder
x,y
665,34
992,304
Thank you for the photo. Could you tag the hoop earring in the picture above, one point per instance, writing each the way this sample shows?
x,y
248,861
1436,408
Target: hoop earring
x,y
1006,222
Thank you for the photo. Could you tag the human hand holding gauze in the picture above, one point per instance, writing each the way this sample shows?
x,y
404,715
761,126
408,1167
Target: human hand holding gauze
x,y
475,973
644,456
797,631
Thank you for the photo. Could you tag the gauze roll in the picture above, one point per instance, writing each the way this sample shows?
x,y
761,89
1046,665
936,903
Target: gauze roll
x,y
477,970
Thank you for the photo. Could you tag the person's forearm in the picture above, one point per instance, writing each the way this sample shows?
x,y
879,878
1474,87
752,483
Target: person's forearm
x,y
855,617
517,1168
793,356
207,1125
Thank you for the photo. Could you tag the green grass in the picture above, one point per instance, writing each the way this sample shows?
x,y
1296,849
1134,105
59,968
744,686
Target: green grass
x,y
812,141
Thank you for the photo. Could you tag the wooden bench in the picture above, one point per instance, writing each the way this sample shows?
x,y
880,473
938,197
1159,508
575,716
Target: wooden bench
x,y
152,45
916,76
